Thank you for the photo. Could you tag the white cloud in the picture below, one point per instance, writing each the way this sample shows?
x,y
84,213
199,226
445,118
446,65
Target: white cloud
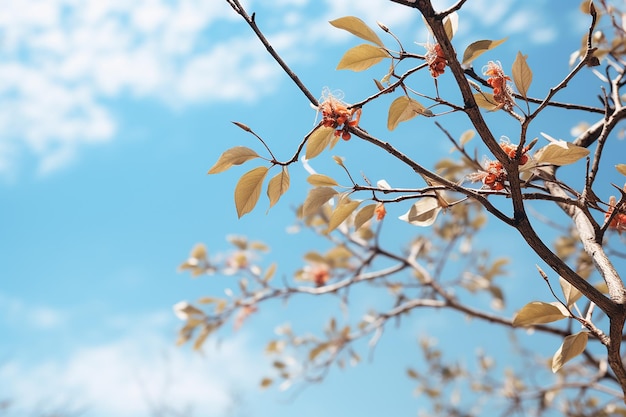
x,y
64,61
134,374
127,377
64,58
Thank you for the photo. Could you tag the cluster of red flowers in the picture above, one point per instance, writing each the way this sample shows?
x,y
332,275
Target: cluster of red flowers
x,y
619,220
494,175
336,114
511,151
436,60
498,81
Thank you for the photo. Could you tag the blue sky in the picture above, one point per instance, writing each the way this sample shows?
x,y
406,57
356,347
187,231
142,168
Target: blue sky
x,y
112,113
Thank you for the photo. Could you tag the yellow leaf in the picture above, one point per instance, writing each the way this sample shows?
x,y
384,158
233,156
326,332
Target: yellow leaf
x,y
538,312
199,251
363,215
361,57
270,272
204,333
320,180
220,306
316,198
475,49
338,254
451,24
208,300
573,345
260,246
314,353
402,109
314,257
185,311
423,213
234,156
341,213
621,168
486,101
358,28
339,161
559,152
570,292
248,190
266,382
522,75
318,140
278,186
467,136
241,242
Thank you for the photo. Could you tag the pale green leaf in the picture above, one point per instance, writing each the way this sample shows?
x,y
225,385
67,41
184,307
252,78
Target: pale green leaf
x,y
538,312
320,180
343,210
363,215
573,345
361,57
570,292
248,190
278,186
522,74
475,49
233,156
423,213
318,141
358,28
402,109
621,168
316,198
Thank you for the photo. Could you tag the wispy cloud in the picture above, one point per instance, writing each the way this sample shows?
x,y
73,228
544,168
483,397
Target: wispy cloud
x,y
133,375
65,61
